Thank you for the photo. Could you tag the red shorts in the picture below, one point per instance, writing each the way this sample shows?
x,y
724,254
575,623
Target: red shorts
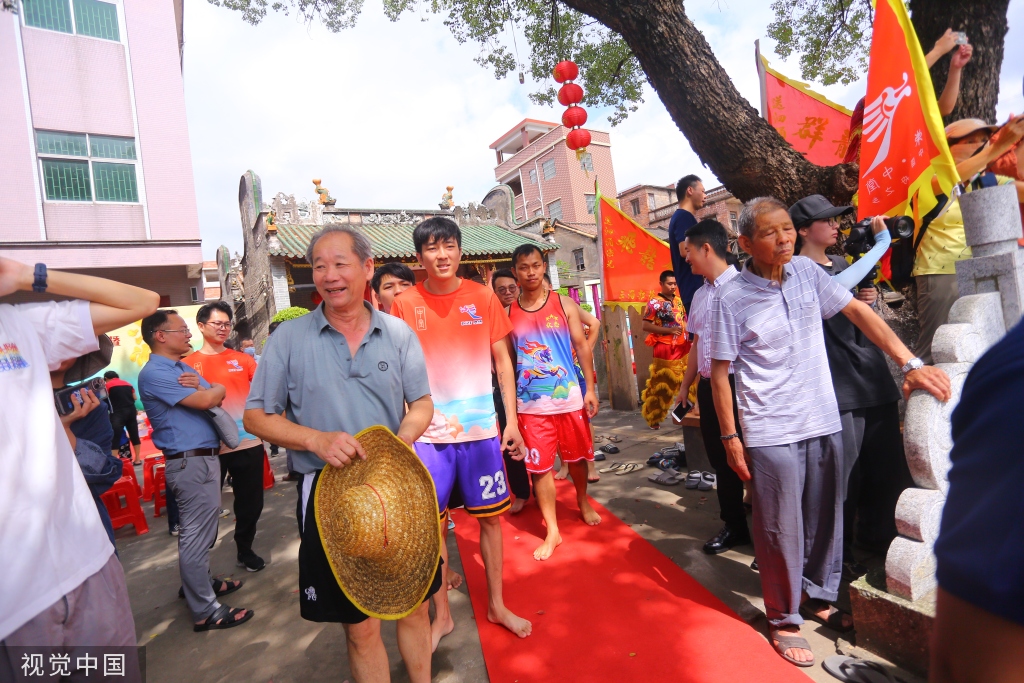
x,y
671,351
568,434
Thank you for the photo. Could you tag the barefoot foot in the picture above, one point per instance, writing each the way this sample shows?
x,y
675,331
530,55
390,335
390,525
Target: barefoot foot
x,y
588,513
562,473
519,626
517,506
548,546
454,579
439,629
592,474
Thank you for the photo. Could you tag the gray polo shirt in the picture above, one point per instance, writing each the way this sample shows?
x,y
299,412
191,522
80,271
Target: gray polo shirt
x,y
308,371
774,338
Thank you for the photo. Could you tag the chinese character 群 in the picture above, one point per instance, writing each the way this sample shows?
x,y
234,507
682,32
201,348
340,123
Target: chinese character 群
x,y
812,129
87,662
32,664
113,665
60,665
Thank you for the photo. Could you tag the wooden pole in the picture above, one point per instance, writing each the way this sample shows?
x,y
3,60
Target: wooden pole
x,y
621,381
643,355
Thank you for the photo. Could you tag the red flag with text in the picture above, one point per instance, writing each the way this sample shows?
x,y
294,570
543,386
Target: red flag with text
x,y
632,258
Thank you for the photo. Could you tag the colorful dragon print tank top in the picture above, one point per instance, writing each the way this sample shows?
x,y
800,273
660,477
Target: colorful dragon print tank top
x,y
546,381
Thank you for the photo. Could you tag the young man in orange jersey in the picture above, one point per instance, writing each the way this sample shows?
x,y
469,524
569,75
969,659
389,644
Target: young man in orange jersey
x,y
550,403
220,365
462,327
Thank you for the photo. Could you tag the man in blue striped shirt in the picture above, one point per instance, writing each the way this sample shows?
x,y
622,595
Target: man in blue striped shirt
x,y
767,323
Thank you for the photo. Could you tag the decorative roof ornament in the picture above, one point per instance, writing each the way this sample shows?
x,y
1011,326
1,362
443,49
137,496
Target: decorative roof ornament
x,y
325,195
446,199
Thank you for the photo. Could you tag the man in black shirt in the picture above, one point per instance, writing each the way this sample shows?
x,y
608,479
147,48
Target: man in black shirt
x,y
123,414
690,193
876,469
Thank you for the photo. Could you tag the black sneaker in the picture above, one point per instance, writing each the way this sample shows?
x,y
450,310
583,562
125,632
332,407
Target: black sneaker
x,y
175,530
252,563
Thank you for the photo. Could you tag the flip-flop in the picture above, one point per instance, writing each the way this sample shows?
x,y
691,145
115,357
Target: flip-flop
x,y
707,481
610,449
785,641
666,478
835,616
614,467
614,438
857,670
693,479
629,468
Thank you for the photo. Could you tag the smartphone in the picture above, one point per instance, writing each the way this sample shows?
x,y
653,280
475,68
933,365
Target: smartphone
x,y
65,406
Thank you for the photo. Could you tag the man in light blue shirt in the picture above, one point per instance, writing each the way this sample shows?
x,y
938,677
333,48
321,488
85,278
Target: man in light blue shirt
x,y
176,399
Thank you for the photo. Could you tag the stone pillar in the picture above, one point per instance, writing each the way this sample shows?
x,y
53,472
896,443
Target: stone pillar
x,y
279,276
894,617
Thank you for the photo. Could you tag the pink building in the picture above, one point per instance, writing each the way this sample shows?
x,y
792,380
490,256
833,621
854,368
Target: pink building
x,y
546,177
97,172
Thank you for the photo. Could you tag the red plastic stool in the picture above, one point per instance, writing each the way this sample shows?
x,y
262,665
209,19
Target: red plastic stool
x,y
148,463
268,474
159,489
128,470
131,512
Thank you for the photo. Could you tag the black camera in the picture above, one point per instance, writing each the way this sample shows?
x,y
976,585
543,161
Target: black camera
x,y
861,239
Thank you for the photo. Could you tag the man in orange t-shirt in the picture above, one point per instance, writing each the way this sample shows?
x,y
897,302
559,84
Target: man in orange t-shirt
x,y
220,365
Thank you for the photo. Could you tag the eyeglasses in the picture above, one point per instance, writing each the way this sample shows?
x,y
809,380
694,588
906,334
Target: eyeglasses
x,y
183,330
219,326
511,289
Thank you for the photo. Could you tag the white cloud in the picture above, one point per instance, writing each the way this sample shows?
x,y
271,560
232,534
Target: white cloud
x,y
388,114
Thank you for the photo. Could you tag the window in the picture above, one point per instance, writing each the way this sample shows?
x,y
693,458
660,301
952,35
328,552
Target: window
x,y
635,205
549,169
533,176
91,17
194,291
555,210
590,202
587,162
733,222
75,167
651,204
577,257
538,212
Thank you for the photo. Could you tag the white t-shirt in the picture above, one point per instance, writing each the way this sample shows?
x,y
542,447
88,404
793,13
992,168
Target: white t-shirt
x,y
51,536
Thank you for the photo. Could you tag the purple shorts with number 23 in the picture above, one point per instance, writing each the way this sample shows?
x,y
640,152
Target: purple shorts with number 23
x,y
476,467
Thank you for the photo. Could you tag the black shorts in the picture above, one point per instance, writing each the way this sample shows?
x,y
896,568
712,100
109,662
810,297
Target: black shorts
x,y
320,596
120,422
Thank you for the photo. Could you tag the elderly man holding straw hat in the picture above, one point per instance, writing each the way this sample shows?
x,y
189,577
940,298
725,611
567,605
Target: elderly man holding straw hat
x,y
349,378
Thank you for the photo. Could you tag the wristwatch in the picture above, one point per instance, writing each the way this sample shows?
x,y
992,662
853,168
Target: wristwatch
x,y
39,283
912,364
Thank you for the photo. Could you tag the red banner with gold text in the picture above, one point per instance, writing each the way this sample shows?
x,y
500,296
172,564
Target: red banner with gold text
x,y
632,257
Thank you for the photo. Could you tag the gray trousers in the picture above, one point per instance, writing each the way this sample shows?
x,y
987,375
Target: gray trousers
x,y
797,528
936,294
196,486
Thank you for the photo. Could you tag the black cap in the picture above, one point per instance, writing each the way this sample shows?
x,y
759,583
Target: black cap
x,y
815,208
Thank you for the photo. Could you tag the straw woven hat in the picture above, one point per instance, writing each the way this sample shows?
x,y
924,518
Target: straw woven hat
x,y
378,521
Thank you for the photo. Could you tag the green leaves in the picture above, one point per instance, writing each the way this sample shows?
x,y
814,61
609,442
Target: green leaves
x,y
832,37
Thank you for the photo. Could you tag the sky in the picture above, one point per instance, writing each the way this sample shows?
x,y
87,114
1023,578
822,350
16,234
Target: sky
x,y
388,114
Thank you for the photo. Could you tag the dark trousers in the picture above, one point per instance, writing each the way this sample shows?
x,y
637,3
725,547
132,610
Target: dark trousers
x,y
730,487
877,476
515,470
173,516
246,469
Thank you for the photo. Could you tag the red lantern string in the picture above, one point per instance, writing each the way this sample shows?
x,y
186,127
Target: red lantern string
x,y
570,95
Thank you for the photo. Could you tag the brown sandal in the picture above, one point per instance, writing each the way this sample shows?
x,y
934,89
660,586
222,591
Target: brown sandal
x,y
782,642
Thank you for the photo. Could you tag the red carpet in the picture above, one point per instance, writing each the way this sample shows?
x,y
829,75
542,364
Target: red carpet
x,y
607,606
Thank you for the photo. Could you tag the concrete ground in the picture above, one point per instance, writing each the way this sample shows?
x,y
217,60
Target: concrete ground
x,y
278,646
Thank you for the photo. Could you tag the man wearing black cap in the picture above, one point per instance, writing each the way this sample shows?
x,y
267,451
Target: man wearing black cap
x,y
867,395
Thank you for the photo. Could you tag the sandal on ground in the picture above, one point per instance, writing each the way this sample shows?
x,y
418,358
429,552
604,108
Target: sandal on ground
x,y
599,455
787,641
614,438
629,468
614,467
835,616
707,481
857,670
610,449
667,478
693,479
224,617
221,587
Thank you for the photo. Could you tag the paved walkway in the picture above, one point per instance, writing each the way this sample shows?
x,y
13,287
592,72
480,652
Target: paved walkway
x,y
278,646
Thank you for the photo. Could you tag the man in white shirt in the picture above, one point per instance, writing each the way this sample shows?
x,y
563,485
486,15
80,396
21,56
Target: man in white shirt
x,y
61,583
766,324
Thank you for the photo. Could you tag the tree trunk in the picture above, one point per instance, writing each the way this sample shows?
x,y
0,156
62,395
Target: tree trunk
x,y
984,22
741,148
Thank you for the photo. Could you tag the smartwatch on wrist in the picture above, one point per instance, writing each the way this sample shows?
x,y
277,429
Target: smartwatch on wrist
x,y
39,283
912,364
